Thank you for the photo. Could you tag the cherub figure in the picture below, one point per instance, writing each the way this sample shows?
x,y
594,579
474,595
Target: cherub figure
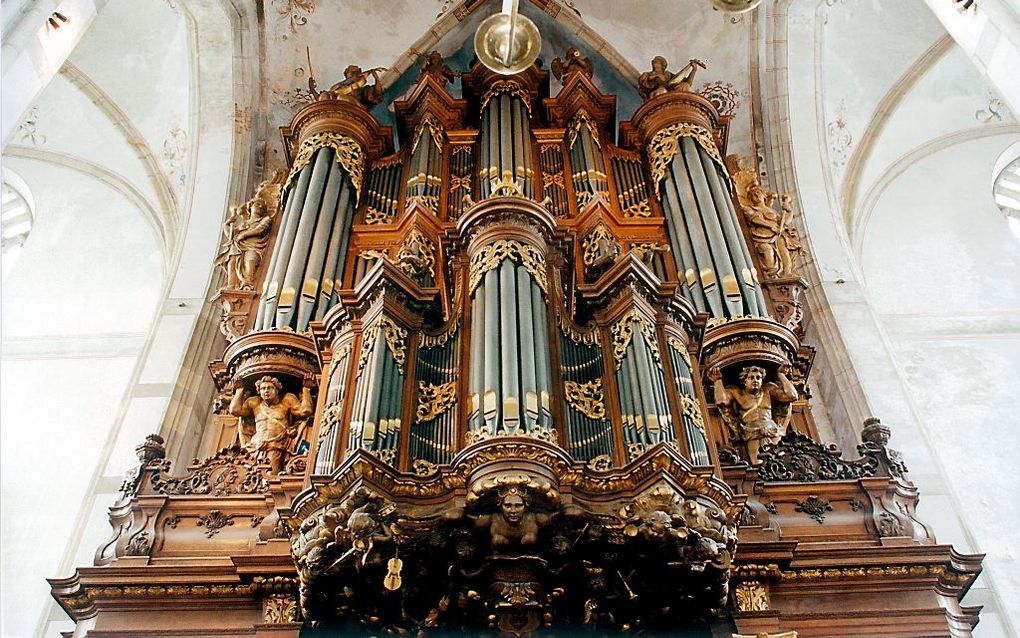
x,y
759,411
660,80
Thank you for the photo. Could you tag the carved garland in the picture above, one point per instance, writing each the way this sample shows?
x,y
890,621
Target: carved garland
x,y
623,331
690,409
349,155
586,398
492,256
434,400
666,143
510,88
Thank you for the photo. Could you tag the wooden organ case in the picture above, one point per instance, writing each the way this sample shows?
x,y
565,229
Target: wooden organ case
x,y
516,378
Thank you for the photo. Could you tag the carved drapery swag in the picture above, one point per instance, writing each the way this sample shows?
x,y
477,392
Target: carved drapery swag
x,y
666,143
493,255
349,155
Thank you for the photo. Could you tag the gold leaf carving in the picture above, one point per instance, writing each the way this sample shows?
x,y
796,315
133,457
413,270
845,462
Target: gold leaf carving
x,y
666,143
434,400
586,398
492,256
349,154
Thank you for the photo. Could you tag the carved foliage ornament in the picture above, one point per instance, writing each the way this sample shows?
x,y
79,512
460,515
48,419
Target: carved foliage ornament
x,y
435,129
623,331
434,400
395,338
232,470
592,249
581,119
799,458
751,596
508,87
349,155
492,255
666,144
417,255
586,398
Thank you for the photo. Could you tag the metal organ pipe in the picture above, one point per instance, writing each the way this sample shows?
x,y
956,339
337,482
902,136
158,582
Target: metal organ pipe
x,y
715,266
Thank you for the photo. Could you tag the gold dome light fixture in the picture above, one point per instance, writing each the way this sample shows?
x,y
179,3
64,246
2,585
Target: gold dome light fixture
x,y
508,42
735,6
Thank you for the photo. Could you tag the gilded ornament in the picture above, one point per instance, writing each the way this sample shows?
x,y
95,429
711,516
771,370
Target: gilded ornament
x,y
665,145
434,341
374,216
507,87
623,331
589,337
396,341
751,596
690,409
279,609
581,119
586,398
638,209
434,400
349,155
492,255
435,129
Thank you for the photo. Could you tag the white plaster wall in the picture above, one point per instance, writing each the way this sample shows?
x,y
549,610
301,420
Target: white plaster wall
x,y
942,273
887,316
76,308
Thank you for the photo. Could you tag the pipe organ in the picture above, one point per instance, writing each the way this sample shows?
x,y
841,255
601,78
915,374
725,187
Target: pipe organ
x,y
553,369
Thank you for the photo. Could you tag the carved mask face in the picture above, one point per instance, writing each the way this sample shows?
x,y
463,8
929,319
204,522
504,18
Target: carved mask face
x,y
512,508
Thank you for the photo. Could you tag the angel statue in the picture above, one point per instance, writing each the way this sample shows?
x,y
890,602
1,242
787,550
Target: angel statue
x,y
758,412
246,235
775,239
660,80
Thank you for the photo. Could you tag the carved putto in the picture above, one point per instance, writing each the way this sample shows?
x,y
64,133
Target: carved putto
x,y
660,80
354,86
758,411
271,418
432,64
